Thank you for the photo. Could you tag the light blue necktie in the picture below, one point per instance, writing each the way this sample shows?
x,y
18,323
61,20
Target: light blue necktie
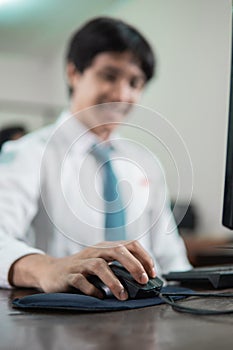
x,y
114,211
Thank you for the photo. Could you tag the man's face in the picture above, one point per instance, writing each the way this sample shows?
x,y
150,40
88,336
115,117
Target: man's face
x,y
112,77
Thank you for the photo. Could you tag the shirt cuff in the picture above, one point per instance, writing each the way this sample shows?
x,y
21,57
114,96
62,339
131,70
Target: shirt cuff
x,y
9,254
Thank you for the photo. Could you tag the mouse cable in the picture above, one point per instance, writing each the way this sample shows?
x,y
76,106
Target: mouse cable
x,y
167,298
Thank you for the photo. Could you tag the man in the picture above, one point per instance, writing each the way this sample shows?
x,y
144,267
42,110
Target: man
x,y
108,65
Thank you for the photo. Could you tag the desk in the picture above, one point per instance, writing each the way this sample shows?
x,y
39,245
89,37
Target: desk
x,y
206,251
152,328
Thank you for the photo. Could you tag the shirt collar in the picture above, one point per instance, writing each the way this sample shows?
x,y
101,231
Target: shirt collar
x,y
77,136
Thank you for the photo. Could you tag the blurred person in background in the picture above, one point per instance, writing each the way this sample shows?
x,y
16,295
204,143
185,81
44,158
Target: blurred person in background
x,y
10,133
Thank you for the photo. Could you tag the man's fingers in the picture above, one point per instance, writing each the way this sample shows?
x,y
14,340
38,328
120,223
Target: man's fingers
x,y
132,256
139,252
94,261
97,267
131,263
109,279
78,281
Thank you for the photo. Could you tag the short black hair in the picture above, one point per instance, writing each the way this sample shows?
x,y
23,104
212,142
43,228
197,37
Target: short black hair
x,y
104,34
8,133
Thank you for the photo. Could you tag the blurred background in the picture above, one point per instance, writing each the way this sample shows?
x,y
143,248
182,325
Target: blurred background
x,y
192,41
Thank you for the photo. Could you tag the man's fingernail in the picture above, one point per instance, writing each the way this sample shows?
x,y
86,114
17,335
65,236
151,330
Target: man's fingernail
x,y
153,272
123,294
144,278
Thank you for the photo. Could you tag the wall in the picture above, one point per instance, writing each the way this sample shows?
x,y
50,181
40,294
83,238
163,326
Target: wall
x,y
25,80
192,43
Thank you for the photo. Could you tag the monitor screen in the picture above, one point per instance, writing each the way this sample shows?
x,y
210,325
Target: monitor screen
x,y
227,218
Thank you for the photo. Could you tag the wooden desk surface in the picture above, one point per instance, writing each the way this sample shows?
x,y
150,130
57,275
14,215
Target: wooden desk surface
x,y
152,328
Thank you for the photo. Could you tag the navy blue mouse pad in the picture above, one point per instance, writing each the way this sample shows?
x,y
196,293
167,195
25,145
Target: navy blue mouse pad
x,y
78,302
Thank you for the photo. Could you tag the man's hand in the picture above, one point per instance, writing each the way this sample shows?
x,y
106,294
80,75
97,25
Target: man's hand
x,y
65,274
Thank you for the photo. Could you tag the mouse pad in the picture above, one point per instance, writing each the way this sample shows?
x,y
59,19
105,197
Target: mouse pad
x,y
68,301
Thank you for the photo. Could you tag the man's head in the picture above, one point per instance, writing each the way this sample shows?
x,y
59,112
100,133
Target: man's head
x,y
107,61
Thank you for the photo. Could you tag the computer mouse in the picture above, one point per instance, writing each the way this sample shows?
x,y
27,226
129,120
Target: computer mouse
x,y
134,289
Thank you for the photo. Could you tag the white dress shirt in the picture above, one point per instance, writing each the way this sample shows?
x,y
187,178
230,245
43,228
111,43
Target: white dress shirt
x,y
51,197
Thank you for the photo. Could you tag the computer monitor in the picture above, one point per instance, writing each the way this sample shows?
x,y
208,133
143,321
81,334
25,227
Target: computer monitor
x,y
227,217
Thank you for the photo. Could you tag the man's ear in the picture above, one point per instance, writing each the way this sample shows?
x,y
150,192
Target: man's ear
x,y
71,74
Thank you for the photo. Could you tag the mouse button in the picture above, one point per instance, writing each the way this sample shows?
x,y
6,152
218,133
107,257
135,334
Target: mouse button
x,y
155,283
140,291
131,288
96,281
107,291
121,272
118,269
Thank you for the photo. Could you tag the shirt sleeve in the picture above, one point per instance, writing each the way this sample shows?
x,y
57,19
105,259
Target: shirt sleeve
x,y
11,250
167,245
19,191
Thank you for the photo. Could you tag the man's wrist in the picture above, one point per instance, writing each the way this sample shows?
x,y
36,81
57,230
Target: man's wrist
x,y
27,271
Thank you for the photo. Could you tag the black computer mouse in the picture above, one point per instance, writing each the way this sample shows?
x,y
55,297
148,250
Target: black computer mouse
x,y
135,290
